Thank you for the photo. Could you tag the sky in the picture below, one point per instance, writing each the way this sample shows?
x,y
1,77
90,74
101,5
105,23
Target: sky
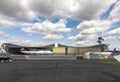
x,y
70,22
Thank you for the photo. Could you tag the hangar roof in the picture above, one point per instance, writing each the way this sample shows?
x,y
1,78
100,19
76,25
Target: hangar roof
x,y
42,46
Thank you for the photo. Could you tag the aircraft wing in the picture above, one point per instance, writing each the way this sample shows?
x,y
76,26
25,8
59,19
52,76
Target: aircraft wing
x,y
117,57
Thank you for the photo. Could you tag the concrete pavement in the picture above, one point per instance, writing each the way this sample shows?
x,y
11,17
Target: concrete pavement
x,y
58,71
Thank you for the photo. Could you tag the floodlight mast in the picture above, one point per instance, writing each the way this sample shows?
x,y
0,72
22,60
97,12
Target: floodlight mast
x,y
100,40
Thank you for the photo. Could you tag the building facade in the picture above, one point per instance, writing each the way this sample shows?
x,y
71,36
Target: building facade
x,y
56,49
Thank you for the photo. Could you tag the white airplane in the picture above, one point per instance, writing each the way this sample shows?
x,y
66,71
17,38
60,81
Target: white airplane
x,y
117,57
116,54
36,52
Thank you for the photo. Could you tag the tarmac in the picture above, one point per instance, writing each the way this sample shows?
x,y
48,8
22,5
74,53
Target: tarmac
x,y
58,71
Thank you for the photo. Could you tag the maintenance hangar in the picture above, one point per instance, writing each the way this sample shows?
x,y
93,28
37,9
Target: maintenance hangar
x,y
56,49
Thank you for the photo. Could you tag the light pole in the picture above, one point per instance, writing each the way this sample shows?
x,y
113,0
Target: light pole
x,y
100,40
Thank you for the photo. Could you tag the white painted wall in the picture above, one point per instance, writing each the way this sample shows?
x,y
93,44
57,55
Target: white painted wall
x,y
56,44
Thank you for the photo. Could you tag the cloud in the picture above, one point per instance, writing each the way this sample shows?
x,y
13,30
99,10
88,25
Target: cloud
x,y
109,38
23,42
91,9
115,13
76,9
84,43
20,13
83,37
3,34
115,32
52,37
48,29
6,23
89,30
113,37
94,26
17,10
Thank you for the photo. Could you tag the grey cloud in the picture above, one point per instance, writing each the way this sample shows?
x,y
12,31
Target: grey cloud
x,y
14,9
76,9
41,7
